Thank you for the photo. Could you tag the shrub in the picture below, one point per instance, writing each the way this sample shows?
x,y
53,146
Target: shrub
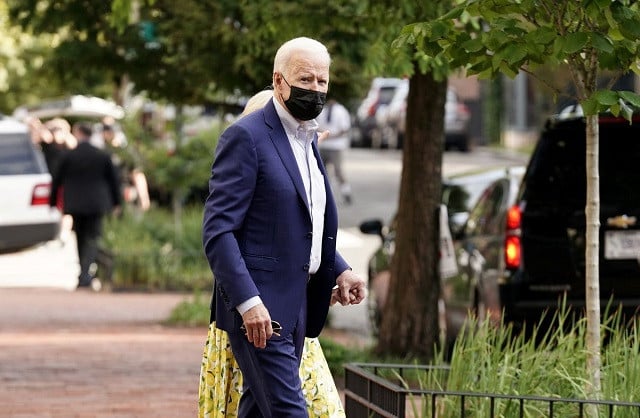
x,y
151,254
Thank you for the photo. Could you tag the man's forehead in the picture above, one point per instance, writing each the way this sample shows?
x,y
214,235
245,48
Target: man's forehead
x,y
309,63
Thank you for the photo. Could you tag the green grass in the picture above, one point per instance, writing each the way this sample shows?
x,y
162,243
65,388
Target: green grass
x,y
495,360
193,312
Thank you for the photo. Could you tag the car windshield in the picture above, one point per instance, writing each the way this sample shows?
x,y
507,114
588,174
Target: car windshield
x,y
17,155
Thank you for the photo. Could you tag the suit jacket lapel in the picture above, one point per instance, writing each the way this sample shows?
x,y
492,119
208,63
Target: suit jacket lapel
x,y
281,143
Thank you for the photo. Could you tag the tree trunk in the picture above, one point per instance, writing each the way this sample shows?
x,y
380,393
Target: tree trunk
x,y
587,76
592,278
410,318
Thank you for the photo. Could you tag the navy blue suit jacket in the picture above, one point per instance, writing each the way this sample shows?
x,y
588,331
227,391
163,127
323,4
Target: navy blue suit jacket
x,y
257,228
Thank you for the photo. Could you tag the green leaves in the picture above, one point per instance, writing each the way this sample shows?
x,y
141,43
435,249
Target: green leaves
x,y
630,97
606,97
575,42
492,37
617,102
601,43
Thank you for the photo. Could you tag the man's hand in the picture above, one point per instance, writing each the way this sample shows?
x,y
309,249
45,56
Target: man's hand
x,y
257,323
350,290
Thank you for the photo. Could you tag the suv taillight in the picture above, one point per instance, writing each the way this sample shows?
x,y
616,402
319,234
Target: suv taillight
x,y
463,110
41,194
512,247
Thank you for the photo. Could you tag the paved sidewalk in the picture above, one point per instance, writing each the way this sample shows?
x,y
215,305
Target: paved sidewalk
x,y
80,354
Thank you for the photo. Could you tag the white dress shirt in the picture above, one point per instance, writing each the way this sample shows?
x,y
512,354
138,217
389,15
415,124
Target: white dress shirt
x,y
311,177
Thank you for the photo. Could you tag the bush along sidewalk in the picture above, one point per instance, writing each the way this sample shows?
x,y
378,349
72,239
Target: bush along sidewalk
x,y
150,254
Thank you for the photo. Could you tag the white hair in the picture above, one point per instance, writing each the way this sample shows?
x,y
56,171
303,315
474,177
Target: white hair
x,y
307,45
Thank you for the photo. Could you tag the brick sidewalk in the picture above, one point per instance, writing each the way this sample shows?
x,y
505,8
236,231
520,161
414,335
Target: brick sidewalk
x,y
83,354
96,355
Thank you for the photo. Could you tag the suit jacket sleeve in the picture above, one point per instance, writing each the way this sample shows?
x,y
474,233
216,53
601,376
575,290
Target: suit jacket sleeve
x,y
231,185
113,179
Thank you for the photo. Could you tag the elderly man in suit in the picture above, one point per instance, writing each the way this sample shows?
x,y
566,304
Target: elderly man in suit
x,y
90,189
269,233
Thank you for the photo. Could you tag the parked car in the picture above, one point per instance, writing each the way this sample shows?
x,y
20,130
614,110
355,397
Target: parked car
x,y
456,123
25,216
459,193
380,94
545,236
390,121
482,250
389,129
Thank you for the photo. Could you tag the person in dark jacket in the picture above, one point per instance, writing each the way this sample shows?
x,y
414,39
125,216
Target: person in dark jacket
x,y
91,190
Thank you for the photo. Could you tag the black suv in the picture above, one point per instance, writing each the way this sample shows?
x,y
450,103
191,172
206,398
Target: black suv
x,y
545,228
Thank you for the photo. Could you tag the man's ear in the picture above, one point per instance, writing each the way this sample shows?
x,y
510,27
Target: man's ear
x,y
277,79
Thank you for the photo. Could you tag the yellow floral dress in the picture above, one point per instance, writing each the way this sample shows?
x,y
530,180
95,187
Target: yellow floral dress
x,y
221,380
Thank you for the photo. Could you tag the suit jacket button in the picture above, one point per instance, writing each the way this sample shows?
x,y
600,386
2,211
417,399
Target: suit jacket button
x,y
305,267
309,235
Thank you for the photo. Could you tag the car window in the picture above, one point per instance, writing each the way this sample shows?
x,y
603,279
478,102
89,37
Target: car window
x,y
485,218
17,155
460,197
386,94
558,175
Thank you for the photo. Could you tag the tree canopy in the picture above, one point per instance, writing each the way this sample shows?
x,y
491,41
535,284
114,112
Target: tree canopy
x,y
491,37
194,51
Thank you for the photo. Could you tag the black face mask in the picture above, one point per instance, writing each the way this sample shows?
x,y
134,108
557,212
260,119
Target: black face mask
x,y
304,104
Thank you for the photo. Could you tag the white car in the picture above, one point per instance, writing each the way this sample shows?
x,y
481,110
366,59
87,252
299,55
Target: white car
x,y
381,92
25,184
390,120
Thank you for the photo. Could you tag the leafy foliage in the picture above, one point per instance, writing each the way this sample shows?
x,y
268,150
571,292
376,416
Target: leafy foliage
x,y
491,37
194,51
24,73
186,168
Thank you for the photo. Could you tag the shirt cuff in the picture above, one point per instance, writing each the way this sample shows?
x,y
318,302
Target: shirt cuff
x,y
248,304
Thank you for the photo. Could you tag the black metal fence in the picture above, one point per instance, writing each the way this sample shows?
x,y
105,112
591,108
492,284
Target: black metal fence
x,y
375,390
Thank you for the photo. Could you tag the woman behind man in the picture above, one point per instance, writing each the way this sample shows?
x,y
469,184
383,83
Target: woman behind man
x,y
220,378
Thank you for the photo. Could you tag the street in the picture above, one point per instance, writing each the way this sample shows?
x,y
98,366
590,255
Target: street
x,y
375,179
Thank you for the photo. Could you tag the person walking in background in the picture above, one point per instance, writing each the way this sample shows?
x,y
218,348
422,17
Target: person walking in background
x,y
135,188
55,139
220,385
335,119
91,190
62,140
269,234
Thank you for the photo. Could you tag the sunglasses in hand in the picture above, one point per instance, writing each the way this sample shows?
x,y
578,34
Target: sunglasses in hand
x,y
275,325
